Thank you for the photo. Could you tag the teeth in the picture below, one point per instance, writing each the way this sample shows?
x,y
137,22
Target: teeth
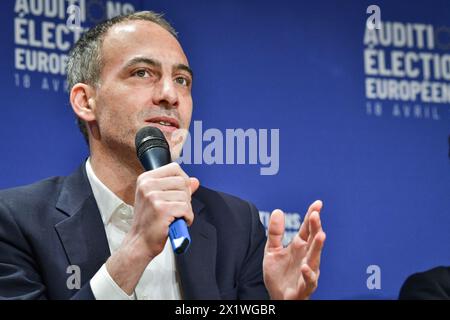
x,y
163,123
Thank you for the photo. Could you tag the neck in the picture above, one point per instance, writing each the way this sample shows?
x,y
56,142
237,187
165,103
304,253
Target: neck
x,y
117,174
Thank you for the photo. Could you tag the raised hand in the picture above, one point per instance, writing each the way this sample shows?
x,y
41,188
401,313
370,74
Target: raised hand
x,y
293,272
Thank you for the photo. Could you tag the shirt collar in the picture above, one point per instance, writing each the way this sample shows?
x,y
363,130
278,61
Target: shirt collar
x,y
107,201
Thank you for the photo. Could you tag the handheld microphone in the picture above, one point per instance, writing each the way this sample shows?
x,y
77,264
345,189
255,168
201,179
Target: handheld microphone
x,y
153,151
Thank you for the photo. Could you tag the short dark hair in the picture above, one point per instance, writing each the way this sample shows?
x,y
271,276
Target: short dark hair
x,y
85,63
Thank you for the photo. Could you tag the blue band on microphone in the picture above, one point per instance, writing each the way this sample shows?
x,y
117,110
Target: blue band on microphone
x,y
179,236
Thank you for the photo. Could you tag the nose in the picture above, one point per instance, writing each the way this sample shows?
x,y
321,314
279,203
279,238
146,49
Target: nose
x,y
165,93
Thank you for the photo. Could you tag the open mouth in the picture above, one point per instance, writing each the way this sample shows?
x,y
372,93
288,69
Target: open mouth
x,y
164,123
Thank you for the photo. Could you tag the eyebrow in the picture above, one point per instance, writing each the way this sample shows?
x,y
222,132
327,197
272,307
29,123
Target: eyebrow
x,y
138,60
186,68
158,64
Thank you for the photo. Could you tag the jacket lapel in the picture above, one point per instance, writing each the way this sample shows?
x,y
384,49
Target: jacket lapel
x,y
82,232
197,267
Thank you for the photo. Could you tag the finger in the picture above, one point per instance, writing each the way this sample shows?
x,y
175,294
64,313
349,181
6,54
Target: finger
x,y
176,209
315,251
311,280
169,170
304,229
169,195
276,230
315,226
195,184
298,249
148,184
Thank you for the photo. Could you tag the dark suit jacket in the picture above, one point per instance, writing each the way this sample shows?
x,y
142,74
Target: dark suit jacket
x,y
433,284
52,224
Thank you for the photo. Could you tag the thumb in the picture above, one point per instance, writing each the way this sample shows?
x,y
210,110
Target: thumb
x,y
276,230
194,184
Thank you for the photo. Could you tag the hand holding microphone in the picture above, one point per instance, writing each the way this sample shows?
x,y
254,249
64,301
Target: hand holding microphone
x,y
162,208
163,194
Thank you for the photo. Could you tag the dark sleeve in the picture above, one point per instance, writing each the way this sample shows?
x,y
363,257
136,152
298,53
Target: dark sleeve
x,y
433,284
251,282
19,275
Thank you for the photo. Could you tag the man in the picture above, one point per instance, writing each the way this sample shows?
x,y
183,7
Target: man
x,y
432,284
109,220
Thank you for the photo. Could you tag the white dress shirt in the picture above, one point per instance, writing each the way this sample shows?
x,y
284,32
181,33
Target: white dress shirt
x,y
159,280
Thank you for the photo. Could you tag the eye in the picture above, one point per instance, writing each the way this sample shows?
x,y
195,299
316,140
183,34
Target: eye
x,y
183,81
142,73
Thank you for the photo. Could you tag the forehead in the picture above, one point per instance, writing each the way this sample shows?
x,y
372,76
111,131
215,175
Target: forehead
x,y
129,39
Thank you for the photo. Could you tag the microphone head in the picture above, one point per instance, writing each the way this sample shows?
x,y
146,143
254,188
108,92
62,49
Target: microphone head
x,y
148,138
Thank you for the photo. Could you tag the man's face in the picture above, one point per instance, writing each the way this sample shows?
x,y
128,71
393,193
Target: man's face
x,y
145,80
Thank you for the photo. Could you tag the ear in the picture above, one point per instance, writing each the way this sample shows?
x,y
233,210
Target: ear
x,y
82,99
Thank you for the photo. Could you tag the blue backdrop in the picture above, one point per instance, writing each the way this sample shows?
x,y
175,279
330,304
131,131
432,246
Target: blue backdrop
x,y
380,164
